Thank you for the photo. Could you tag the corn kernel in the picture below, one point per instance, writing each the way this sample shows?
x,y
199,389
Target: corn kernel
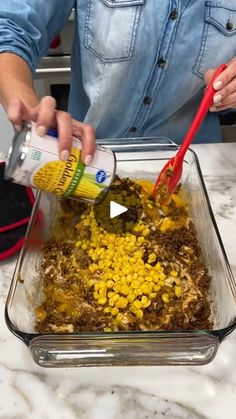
x,y
135,284
107,310
115,298
116,287
145,288
162,276
146,231
139,314
129,278
114,311
130,297
155,277
174,273
140,240
107,263
100,251
107,329
138,254
119,317
122,302
178,201
110,283
138,292
165,298
145,301
96,286
101,264
137,304
102,300
178,291
93,267
158,267
142,272
151,258
133,309
124,289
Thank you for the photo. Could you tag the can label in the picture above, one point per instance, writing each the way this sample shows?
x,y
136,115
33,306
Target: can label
x,y
42,169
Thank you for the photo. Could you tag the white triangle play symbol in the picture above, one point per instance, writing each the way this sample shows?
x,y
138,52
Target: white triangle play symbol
x,y
116,209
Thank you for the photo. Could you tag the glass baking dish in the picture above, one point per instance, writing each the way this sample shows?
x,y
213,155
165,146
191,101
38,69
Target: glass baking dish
x,y
138,158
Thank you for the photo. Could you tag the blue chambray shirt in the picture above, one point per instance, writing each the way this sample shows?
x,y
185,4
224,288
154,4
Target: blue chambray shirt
x,y
137,65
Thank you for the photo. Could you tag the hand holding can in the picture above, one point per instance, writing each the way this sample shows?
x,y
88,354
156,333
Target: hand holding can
x,y
33,161
45,115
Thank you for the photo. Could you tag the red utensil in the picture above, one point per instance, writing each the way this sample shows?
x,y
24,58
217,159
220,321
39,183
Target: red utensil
x,y
172,171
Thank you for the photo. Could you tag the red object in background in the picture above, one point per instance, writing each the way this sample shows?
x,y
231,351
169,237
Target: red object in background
x,y
16,203
55,42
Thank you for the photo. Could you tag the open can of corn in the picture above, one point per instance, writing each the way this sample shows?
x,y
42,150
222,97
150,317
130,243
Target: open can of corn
x,y
33,161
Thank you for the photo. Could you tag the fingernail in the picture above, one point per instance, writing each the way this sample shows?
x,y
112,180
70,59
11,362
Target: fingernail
x,y
213,109
64,155
17,128
217,84
217,99
88,159
41,130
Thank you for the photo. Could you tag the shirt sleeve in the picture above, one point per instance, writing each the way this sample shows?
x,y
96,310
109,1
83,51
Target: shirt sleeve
x,y
28,26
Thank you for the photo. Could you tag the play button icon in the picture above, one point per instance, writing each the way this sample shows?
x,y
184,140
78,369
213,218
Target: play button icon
x,y
120,210
116,209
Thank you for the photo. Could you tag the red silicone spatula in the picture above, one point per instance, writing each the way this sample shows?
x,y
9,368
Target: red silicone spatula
x,y
172,171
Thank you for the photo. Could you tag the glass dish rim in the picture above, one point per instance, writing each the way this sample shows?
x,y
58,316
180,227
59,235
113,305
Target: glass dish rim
x,y
221,334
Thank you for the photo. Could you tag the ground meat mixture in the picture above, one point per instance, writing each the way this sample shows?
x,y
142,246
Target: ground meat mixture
x,y
149,278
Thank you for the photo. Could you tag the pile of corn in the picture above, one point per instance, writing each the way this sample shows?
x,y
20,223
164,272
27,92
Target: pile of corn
x,y
122,282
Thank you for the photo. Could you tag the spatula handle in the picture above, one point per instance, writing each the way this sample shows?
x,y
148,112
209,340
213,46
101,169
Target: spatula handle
x,y
201,112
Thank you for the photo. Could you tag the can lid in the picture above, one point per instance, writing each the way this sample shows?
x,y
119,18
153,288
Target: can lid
x,y
17,152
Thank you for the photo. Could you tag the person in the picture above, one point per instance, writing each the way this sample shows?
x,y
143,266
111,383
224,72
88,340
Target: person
x,y
138,67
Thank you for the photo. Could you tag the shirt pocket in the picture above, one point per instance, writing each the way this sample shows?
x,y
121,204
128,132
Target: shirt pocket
x,y
218,44
111,28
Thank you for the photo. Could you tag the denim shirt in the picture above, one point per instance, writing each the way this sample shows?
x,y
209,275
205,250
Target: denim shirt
x,y
137,65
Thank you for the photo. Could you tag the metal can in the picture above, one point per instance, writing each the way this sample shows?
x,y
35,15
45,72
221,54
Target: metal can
x,y
33,161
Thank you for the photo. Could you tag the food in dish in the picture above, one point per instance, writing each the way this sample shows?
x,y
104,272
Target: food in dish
x,y
149,278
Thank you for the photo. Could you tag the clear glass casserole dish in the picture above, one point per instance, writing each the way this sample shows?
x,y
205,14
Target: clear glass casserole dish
x,y
138,158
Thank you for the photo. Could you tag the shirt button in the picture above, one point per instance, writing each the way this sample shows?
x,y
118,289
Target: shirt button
x,y
132,129
147,100
161,62
174,14
229,25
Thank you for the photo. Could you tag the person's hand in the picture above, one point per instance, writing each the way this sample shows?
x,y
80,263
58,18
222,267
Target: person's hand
x,y
46,116
225,84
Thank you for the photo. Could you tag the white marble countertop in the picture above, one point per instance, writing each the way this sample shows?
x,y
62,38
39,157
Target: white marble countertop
x,y
31,392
